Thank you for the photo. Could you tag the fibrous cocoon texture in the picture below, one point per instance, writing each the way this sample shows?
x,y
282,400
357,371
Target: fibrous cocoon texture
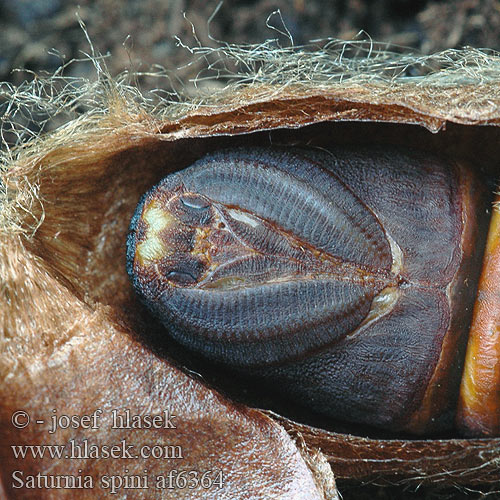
x,y
74,339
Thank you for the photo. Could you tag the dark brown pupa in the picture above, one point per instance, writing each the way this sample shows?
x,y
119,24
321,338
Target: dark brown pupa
x,y
337,275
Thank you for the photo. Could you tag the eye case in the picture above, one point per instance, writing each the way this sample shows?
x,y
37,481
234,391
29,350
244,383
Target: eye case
x,y
369,180
125,165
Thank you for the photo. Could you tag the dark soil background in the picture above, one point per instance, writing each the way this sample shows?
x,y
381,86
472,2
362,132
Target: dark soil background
x,y
39,35
140,33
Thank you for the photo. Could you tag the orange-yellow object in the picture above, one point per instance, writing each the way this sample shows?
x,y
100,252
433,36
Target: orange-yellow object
x,y
479,404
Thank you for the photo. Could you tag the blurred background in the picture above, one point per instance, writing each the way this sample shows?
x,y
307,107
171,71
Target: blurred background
x,y
38,35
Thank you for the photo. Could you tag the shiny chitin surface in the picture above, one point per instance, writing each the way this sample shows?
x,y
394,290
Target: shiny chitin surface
x,y
332,274
479,403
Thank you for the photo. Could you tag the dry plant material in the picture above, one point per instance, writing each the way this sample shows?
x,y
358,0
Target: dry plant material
x,y
74,336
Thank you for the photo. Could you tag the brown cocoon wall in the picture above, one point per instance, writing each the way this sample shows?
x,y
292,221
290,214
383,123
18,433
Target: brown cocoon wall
x,y
75,338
